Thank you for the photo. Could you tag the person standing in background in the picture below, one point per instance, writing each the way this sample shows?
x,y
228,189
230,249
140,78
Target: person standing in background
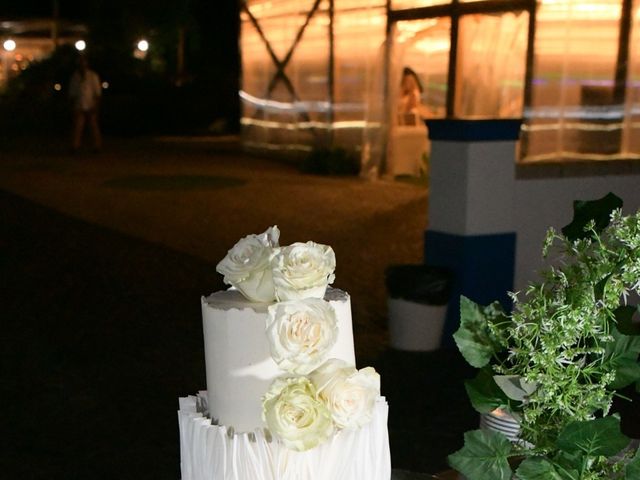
x,y
85,92
410,103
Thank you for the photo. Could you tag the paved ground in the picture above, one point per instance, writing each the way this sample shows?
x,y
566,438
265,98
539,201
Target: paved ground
x,y
101,273
200,197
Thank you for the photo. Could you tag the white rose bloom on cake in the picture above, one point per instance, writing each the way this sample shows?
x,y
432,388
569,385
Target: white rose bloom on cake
x,y
295,415
247,266
349,394
301,333
303,270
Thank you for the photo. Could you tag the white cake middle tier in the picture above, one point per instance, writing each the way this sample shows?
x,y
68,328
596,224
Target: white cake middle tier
x,y
238,356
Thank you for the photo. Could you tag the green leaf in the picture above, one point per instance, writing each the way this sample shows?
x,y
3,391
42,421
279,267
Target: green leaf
x,y
484,393
598,211
593,437
632,470
569,463
537,468
515,387
622,356
473,337
484,456
598,288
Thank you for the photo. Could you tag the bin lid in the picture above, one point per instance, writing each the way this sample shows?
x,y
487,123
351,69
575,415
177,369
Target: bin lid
x,y
425,284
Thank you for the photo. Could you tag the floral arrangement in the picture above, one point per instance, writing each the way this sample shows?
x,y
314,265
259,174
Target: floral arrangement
x,y
557,361
316,396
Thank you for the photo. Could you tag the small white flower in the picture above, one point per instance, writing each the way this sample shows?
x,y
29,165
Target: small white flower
x,y
303,270
247,266
349,394
301,333
294,414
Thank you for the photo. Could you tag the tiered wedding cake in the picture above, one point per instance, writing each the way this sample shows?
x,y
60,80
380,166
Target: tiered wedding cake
x,y
284,400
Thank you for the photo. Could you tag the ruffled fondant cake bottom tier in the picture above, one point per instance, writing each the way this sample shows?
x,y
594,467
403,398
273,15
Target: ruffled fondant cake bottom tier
x,y
215,452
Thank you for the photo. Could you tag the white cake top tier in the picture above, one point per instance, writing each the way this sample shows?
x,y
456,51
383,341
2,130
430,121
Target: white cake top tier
x,y
238,358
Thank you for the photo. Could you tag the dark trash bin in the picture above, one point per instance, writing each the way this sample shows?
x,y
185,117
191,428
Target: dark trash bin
x,y
417,305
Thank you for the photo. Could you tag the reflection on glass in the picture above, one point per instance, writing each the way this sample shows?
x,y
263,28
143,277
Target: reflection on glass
x,y
403,4
417,79
573,113
295,112
631,132
423,45
491,65
359,48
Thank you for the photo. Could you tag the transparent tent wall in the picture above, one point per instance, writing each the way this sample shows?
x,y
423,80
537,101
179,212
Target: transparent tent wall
x,y
574,113
294,112
491,65
631,131
281,112
417,90
359,35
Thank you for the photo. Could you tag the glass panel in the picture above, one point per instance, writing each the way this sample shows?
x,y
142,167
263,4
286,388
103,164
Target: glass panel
x,y
280,114
491,65
278,8
282,30
359,44
423,46
296,114
404,4
418,89
572,92
257,67
308,71
631,133
352,4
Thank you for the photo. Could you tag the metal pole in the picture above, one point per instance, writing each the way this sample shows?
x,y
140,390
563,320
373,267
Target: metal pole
x,y
332,77
453,59
528,75
54,23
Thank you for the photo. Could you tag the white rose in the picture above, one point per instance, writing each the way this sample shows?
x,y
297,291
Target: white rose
x,y
303,270
247,266
301,333
349,394
294,414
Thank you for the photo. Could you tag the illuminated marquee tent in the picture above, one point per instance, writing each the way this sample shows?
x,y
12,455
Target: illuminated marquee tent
x,y
318,73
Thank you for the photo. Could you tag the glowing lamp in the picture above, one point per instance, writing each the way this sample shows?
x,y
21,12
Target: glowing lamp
x,y
143,45
9,45
80,45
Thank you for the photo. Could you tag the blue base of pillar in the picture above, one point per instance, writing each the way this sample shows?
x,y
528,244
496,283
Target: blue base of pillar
x,y
483,268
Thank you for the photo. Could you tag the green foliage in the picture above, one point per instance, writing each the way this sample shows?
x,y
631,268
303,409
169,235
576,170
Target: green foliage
x,y
476,338
537,468
484,393
593,438
484,456
622,356
562,353
632,470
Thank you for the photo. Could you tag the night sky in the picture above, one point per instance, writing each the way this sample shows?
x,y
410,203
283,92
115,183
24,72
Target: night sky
x,y
211,26
149,95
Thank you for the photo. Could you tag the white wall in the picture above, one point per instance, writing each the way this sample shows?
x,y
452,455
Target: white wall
x,y
544,202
